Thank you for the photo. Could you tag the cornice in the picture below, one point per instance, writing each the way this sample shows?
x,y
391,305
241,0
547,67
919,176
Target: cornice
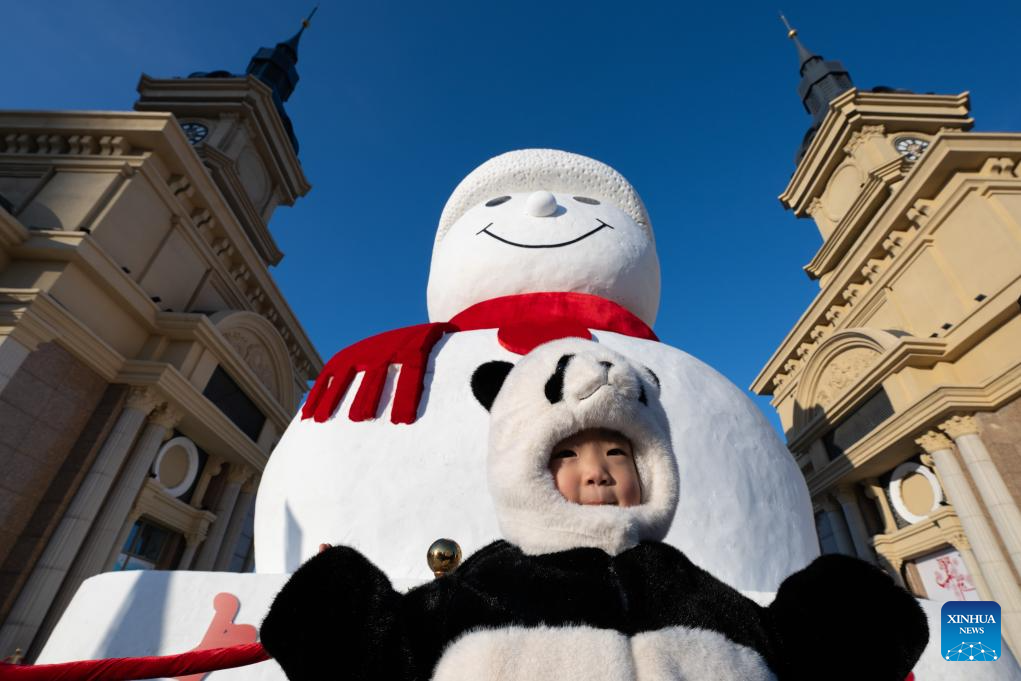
x,y
202,420
132,138
954,164
875,192
198,327
186,519
223,169
12,232
206,97
855,109
915,352
907,425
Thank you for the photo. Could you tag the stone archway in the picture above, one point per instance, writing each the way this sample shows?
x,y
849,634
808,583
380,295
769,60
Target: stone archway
x,y
260,346
836,366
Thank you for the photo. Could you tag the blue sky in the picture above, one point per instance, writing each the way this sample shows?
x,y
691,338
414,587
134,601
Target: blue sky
x,y
398,101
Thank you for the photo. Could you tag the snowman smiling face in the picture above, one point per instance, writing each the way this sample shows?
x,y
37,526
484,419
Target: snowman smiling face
x,y
543,204
542,240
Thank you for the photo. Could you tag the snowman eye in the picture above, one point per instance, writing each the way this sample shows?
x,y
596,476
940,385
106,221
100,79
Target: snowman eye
x,y
585,199
497,201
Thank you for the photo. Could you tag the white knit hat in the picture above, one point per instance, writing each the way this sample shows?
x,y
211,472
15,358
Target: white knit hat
x,y
559,389
528,170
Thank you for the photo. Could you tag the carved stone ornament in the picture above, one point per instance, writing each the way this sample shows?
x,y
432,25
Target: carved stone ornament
x,y
255,355
934,441
166,416
959,425
144,399
842,372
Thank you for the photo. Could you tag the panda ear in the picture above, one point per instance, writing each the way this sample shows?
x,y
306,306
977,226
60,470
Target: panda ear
x,y
487,381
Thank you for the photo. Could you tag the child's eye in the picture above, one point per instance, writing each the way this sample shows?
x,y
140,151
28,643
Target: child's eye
x,y
563,454
616,452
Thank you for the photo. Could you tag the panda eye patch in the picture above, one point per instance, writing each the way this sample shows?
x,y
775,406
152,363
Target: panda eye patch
x,y
497,201
563,454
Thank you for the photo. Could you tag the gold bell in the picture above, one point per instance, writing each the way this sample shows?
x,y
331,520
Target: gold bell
x,y
443,556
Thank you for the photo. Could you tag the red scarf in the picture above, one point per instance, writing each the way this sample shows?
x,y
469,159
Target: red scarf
x,y
524,321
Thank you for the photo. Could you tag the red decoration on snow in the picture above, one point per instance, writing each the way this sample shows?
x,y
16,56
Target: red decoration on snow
x,y
524,321
133,668
222,631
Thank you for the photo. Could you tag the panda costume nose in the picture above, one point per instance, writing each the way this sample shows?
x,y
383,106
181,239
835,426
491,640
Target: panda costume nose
x,y
587,376
541,204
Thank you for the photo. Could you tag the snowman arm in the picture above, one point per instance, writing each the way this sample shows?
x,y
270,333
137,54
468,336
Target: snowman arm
x,y
409,347
843,613
338,611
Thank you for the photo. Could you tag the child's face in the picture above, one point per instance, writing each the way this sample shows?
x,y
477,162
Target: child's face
x,y
596,467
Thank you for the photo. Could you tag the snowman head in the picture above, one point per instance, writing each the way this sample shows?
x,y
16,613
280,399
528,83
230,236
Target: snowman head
x,y
539,220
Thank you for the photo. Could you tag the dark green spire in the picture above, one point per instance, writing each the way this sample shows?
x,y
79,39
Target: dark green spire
x,y
276,67
821,82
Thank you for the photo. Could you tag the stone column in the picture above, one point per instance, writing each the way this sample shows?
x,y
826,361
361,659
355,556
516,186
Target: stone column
x,y
214,465
102,542
190,547
237,523
36,596
990,485
959,541
95,554
236,476
993,566
837,524
875,491
855,523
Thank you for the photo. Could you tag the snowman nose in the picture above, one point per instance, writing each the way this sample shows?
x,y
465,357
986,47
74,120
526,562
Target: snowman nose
x,y
541,204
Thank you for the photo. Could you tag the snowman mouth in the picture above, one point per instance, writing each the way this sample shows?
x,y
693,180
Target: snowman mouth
x,y
485,230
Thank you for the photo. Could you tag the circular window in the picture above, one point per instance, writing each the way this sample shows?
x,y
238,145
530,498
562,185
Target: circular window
x,y
176,465
914,492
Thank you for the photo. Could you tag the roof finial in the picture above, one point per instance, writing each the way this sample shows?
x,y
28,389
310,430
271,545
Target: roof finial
x,y
821,81
307,21
791,33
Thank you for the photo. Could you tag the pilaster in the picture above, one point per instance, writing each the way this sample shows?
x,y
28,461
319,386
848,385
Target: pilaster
x,y
848,501
994,567
30,609
964,429
236,476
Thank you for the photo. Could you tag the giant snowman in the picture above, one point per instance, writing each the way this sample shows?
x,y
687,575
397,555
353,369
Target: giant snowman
x,y
532,245
388,452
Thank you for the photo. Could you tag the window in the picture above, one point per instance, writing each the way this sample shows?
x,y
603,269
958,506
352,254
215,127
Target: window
x,y
857,424
226,394
148,547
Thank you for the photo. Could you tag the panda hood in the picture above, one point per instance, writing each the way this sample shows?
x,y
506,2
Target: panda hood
x,y
557,390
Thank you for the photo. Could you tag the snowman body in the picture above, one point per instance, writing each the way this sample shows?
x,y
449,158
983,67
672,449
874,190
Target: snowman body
x,y
390,490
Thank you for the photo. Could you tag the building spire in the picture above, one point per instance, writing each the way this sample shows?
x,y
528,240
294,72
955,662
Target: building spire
x,y
804,55
821,82
276,67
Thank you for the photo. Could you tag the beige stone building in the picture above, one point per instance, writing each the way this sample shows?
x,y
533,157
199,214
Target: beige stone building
x,y
148,362
898,387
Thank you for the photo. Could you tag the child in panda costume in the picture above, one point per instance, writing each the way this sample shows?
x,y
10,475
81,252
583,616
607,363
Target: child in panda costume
x,y
581,587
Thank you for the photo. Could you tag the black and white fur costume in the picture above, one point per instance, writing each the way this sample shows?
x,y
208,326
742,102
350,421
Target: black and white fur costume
x,y
585,592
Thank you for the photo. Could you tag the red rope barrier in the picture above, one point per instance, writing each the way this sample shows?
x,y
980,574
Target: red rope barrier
x,y
134,668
